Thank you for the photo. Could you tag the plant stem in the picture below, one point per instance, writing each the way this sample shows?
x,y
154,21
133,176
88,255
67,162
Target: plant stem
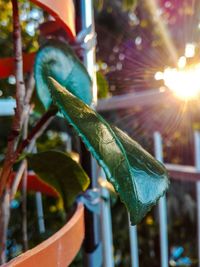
x,y
24,188
40,126
29,91
24,208
20,87
30,88
4,221
29,143
20,95
14,135
17,179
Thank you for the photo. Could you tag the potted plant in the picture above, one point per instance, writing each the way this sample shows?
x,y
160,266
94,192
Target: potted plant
x,y
63,86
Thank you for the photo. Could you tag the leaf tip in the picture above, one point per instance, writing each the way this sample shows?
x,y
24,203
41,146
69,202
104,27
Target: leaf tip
x,y
53,82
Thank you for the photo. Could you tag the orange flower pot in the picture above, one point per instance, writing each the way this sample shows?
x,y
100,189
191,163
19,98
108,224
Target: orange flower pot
x,y
57,251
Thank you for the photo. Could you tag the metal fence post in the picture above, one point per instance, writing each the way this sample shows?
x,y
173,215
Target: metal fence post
x,y
106,226
92,244
133,244
162,206
197,165
40,213
7,107
89,57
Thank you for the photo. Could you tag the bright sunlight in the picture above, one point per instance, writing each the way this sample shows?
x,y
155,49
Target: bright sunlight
x,y
184,80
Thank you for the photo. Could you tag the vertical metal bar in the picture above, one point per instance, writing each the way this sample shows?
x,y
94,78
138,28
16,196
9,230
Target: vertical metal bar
x,y
92,239
106,225
39,208
66,138
197,164
162,206
87,18
7,107
40,213
133,244
69,144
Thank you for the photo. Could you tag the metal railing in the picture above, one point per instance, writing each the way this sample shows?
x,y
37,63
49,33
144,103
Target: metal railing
x,y
177,172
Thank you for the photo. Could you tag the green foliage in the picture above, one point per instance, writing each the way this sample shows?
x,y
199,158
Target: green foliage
x,y
61,172
102,85
30,18
99,4
139,179
126,4
56,59
129,4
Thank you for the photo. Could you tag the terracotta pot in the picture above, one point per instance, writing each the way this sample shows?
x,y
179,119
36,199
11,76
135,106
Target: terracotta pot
x,y
57,251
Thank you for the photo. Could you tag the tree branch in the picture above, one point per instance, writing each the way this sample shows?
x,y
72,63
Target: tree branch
x,y
24,189
40,125
29,144
4,221
20,95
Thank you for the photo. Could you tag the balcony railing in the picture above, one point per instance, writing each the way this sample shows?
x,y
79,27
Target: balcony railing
x,y
176,172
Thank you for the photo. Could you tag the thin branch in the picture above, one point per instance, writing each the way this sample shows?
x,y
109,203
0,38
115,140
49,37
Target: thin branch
x,y
20,87
40,125
17,179
30,144
24,207
14,135
28,108
29,92
20,95
24,188
39,128
30,88
4,221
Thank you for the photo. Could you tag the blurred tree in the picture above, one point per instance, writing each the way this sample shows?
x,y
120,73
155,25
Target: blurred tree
x,y
30,17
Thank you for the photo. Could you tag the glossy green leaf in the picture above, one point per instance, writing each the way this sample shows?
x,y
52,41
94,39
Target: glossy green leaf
x,y
138,178
56,59
61,172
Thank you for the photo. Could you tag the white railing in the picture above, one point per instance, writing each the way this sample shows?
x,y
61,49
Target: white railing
x,y
7,109
197,165
177,172
162,205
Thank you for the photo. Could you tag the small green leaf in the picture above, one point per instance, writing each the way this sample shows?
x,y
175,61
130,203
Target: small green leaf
x,y
57,59
129,4
102,85
61,172
98,4
138,178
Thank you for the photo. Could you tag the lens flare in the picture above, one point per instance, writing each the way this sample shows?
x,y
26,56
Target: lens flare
x,y
184,82
190,50
182,62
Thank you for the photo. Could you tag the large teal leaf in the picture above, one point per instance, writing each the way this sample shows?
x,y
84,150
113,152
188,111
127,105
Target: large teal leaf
x,y
138,178
61,172
56,59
